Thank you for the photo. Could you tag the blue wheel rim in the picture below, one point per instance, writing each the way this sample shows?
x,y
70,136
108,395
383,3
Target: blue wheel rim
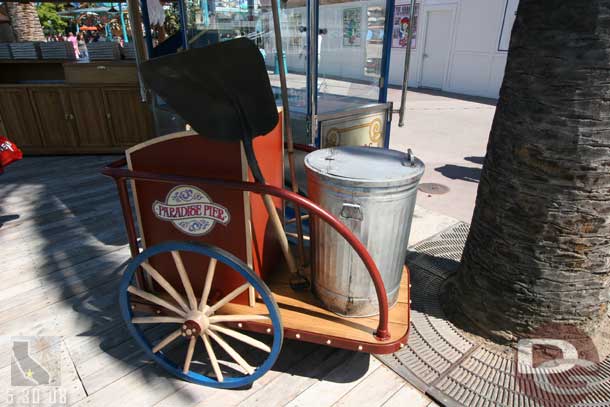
x,y
237,265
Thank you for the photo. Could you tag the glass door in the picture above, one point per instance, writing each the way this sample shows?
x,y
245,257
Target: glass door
x,y
293,21
350,44
227,19
336,56
351,108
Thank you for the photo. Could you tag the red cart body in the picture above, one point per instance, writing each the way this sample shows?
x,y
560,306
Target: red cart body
x,y
234,220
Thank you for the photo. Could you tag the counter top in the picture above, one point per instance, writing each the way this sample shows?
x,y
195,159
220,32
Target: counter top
x,y
53,71
67,62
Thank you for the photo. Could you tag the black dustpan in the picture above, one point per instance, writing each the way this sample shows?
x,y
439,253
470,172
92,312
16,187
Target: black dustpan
x,y
222,91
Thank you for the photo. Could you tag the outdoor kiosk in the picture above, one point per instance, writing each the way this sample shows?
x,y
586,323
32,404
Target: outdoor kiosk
x,y
336,55
246,288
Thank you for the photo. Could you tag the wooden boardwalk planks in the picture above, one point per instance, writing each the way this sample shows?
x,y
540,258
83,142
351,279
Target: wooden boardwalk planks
x,y
63,248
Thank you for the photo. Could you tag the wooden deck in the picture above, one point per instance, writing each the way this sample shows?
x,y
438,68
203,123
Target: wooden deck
x,y
63,248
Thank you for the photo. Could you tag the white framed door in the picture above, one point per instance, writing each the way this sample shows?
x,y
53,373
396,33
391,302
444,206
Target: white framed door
x,y
437,42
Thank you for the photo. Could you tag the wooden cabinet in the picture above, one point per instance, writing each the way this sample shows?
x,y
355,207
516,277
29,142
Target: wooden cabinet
x,y
18,118
73,119
89,117
54,117
2,128
129,119
55,107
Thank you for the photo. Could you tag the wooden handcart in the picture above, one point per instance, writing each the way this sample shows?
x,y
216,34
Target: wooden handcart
x,y
211,295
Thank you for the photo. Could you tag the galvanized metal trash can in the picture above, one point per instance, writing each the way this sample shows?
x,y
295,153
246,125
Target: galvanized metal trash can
x,y
373,191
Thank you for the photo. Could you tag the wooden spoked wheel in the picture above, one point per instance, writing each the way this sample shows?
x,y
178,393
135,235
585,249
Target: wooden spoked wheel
x,y
195,319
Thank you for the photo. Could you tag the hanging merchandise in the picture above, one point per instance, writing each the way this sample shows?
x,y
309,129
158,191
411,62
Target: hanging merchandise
x,y
155,12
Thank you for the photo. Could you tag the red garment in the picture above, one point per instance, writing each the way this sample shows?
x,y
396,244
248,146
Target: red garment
x,y
9,153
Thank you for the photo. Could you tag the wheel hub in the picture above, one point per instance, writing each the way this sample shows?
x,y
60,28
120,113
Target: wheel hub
x,y
195,323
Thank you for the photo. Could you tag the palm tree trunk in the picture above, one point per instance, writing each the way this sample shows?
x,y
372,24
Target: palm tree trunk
x,y
539,244
25,22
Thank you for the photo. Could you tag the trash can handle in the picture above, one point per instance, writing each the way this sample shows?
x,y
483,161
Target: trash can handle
x,y
351,211
410,158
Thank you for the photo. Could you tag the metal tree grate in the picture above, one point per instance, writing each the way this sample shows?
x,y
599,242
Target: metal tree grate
x,y
446,364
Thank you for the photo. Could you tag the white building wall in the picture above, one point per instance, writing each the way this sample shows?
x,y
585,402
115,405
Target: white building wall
x,y
335,59
477,47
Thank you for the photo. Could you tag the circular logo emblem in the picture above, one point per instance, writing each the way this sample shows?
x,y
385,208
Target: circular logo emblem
x,y
332,138
558,365
191,210
375,131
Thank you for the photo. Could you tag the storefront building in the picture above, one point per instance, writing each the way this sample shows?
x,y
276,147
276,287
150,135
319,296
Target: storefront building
x,y
459,45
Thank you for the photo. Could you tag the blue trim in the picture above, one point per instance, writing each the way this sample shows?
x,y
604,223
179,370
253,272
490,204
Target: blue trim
x,y
123,28
307,70
206,13
235,264
387,50
385,66
147,32
183,24
277,59
317,140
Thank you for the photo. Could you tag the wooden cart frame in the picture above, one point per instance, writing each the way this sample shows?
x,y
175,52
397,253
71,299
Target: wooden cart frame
x,y
382,335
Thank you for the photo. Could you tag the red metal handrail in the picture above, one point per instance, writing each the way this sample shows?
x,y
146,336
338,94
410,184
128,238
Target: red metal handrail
x,y
121,174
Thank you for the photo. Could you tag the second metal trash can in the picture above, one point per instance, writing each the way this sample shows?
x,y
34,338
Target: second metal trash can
x,y
372,191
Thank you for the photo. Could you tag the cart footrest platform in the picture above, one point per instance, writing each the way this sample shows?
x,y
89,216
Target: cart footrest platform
x,y
305,319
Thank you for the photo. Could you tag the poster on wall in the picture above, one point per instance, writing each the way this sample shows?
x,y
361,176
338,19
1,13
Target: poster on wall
x,y
510,12
352,34
400,29
295,36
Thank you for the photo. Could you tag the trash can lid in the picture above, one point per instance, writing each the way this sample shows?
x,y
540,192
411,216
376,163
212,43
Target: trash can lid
x,y
365,166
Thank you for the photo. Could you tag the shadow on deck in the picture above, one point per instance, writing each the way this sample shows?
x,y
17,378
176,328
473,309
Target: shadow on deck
x,y
64,248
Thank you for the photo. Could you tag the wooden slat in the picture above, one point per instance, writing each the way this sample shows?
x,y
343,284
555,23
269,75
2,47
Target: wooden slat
x,y
88,233
286,387
64,318
337,382
48,181
49,204
293,354
143,387
302,311
46,290
44,168
408,396
61,272
375,389
28,229
69,255
99,368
